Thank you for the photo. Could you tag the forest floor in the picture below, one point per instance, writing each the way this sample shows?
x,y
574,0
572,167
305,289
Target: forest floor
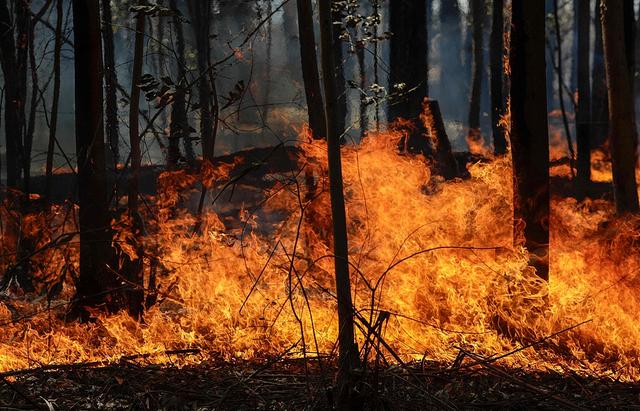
x,y
289,385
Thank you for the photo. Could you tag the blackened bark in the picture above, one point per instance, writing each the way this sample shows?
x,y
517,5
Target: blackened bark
x,y
338,58
621,113
53,125
409,50
23,28
445,163
630,38
200,11
583,109
600,103
529,134
348,352
477,22
132,266
179,126
111,82
96,281
310,73
497,76
13,102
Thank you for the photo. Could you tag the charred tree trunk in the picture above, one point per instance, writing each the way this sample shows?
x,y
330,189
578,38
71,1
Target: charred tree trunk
x,y
96,281
348,352
13,102
53,125
111,85
200,11
497,76
179,126
23,28
409,67
630,38
310,74
132,266
583,109
621,113
600,104
529,134
477,22
338,58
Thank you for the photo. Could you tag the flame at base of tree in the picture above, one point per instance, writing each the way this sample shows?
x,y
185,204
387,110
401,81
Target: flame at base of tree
x,y
432,261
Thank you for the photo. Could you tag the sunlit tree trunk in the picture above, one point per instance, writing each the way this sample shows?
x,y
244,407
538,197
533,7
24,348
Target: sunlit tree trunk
x,y
529,134
583,110
111,81
497,76
477,22
600,104
310,74
348,352
96,281
622,123
13,104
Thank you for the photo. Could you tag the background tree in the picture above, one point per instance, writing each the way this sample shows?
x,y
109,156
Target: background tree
x,y
451,86
622,132
497,75
477,22
599,101
95,281
310,73
529,133
583,108
111,84
179,129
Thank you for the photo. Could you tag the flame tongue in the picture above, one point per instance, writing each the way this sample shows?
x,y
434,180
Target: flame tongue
x,y
435,270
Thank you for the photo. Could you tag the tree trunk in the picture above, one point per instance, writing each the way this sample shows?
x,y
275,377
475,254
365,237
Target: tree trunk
x,y
348,352
53,126
200,11
310,74
23,28
621,113
529,134
13,102
630,38
133,266
179,126
111,81
583,109
497,76
408,75
409,51
338,58
96,281
477,21
600,104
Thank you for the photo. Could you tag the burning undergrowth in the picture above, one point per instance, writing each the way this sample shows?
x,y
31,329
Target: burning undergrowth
x,y
433,270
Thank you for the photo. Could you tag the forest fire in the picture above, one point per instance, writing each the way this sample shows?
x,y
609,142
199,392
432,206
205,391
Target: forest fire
x,y
315,204
445,247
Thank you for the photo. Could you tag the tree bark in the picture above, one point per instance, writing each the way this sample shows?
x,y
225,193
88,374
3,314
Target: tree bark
x,y
310,74
200,11
96,282
23,28
13,102
600,103
529,134
497,76
338,58
53,126
477,22
348,352
133,266
179,126
583,109
111,81
621,112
